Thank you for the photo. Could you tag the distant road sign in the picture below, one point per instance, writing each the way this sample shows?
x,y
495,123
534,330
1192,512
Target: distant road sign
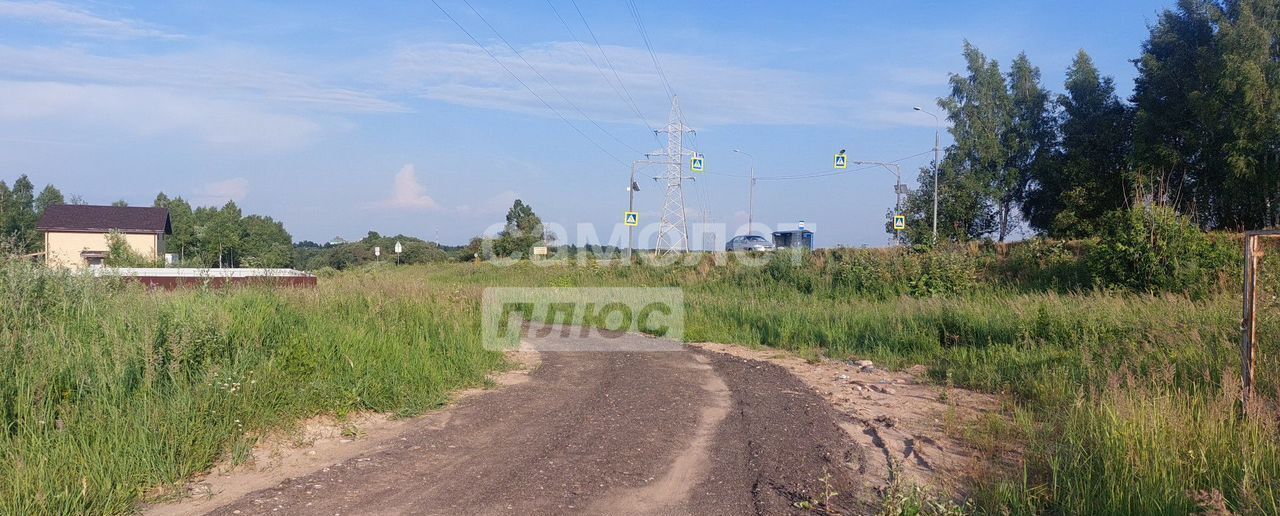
x,y
399,248
695,164
841,161
631,218
377,251
899,222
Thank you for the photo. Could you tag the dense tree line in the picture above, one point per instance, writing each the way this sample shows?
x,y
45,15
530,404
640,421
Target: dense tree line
x,y
202,237
1199,134
309,255
20,210
208,236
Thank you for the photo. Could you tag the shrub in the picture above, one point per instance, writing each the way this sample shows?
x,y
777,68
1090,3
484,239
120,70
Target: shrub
x,y
1154,249
944,273
121,254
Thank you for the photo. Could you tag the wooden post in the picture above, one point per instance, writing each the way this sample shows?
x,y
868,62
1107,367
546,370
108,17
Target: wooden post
x,y
1248,326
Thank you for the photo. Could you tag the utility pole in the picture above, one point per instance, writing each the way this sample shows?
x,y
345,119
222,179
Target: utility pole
x,y
898,188
751,192
632,188
673,229
937,158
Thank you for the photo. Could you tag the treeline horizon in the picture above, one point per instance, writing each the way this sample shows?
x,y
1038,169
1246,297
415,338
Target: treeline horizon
x,y
203,236
1199,134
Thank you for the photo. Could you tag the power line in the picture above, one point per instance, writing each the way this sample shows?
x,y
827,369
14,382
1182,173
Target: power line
x,y
816,175
544,79
626,99
608,61
526,86
644,34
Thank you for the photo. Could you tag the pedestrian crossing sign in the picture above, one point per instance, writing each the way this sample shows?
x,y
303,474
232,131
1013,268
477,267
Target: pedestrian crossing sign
x,y
899,222
631,218
695,164
841,161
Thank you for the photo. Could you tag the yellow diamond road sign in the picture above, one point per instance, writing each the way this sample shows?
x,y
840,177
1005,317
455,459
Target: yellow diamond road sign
x,y
841,161
899,222
631,218
695,164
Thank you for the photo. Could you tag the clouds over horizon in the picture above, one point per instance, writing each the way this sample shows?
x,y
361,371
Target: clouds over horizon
x,y
215,98
408,193
712,92
222,95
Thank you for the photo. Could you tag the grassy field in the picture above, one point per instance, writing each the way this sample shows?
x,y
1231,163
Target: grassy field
x,y
109,394
1125,402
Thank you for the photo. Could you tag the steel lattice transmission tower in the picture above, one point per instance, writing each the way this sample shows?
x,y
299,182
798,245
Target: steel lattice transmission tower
x,y
673,230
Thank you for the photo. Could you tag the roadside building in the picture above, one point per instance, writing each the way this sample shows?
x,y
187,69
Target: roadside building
x,y
76,236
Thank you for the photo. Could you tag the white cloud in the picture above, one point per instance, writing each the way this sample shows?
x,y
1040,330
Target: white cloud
x,y
712,92
152,113
224,75
407,193
79,20
218,193
221,98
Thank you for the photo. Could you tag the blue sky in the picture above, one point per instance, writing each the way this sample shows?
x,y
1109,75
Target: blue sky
x,y
340,117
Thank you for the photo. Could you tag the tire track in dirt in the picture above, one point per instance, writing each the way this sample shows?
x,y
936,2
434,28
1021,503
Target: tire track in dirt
x,y
622,432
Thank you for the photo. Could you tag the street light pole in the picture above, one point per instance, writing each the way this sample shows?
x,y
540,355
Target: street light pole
x,y
898,189
632,187
937,149
751,192
631,206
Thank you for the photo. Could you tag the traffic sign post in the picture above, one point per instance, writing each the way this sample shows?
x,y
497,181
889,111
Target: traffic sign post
x,y
696,164
841,161
399,249
631,219
899,222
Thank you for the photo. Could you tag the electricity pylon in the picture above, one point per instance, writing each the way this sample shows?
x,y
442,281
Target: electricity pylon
x,y
673,229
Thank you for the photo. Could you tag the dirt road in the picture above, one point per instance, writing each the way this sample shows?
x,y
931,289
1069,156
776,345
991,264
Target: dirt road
x,y
649,432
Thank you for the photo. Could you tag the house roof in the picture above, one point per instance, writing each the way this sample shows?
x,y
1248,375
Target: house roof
x,y
101,219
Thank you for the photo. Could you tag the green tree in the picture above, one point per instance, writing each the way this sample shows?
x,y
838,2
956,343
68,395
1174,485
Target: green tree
x,y
264,243
1032,141
219,233
1173,94
1092,179
1248,102
49,196
20,215
121,203
975,166
183,241
523,231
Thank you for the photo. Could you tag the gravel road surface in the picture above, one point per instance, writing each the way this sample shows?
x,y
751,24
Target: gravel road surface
x,y
678,431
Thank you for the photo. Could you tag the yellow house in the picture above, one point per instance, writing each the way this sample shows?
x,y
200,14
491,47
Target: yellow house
x,y
75,236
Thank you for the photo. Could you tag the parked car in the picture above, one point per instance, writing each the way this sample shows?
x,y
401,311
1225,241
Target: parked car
x,y
748,243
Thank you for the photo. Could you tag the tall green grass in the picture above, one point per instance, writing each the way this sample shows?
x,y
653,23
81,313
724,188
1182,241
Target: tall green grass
x,y
108,392
1125,402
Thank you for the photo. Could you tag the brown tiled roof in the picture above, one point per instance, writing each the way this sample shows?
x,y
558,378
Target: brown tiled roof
x,y
101,219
